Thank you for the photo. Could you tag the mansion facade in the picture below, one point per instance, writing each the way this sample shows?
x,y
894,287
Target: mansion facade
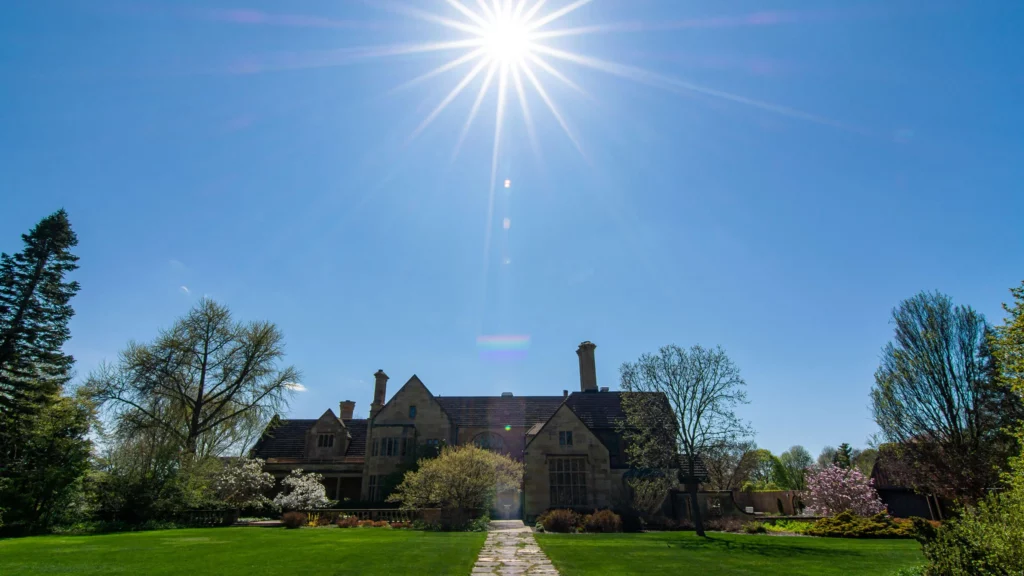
x,y
569,444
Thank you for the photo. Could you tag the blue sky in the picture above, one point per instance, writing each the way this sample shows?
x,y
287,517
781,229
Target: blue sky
x,y
783,175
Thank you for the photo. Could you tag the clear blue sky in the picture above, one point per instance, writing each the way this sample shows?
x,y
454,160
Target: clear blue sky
x,y
786,175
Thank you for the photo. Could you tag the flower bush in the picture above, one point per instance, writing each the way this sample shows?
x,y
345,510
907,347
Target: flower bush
x,y
242,483
347,522
302,492
832,490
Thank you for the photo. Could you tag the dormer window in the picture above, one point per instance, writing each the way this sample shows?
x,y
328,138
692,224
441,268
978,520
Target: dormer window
x,y
412,412
325,441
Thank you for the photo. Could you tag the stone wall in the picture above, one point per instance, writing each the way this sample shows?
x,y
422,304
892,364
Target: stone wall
x,y
546,444
328,423
514,440
394,421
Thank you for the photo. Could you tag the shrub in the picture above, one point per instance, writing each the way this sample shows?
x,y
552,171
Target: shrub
x,y
381,524
984,541
788,527
366,523
462,479
559,521
293,520
602,521
847,525
405,525
347,522
755,528
724,524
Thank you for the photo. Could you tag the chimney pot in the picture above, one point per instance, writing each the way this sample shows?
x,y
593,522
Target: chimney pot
x,y
588,370
565,393
345,409
604,388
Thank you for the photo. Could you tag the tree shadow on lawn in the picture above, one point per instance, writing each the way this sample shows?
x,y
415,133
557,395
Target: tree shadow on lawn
x,y
767,549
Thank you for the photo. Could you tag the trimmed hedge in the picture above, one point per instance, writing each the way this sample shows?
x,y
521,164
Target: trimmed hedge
x,y
847,525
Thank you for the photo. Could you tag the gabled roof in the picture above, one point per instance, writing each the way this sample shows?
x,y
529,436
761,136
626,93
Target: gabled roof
x,y
516,411
288,439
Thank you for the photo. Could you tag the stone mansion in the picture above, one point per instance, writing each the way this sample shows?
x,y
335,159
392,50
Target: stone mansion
x,y
569,445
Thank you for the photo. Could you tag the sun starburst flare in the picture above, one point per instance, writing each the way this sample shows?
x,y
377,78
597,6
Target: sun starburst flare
x,y
505,43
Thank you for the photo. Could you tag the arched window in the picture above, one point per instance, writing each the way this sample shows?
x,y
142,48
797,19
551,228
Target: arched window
x,y
489,441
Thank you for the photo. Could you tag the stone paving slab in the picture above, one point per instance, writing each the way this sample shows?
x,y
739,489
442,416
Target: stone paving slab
x,y
511,550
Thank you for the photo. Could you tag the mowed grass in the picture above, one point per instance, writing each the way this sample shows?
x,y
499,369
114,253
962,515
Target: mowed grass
x,y
230,551
655,554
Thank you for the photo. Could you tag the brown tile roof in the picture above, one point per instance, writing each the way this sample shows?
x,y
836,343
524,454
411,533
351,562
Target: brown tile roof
x,y
515,411
597,409
288,439
357,430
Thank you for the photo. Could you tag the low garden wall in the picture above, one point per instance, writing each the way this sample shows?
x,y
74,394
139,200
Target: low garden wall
x,y
200,518
428,515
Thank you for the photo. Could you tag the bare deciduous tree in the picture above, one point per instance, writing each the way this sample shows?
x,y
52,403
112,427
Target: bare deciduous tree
x,y
208,381
937,398
730,464
679,404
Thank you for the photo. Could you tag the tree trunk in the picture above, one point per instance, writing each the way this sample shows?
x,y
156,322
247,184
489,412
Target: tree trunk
x,y
698,522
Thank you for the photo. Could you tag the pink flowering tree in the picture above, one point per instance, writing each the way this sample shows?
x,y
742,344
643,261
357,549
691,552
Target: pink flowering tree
x,y
831,490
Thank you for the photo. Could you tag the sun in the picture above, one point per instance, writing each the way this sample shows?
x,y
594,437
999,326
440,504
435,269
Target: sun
x,y
506,39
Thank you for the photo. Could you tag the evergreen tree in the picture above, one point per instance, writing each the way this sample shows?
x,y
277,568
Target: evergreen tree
x,y
844,456
34,315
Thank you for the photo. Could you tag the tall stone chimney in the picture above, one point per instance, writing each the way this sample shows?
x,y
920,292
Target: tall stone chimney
x,y
380,391
345,409
588,371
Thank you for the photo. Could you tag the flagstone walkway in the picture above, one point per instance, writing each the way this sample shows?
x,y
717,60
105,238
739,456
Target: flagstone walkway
x,y
510,550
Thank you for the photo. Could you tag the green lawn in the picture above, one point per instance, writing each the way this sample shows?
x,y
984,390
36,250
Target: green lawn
x,y
654,554
249,551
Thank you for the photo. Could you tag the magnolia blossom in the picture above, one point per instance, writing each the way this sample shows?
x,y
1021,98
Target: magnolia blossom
x,y
302,492
243,482
832,490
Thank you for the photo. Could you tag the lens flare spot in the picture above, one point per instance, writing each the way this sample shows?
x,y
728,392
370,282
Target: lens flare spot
x,y
508,183
506,224
503,346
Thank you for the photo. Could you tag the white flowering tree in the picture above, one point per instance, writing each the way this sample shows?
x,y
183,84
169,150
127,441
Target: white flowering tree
x,y
831,490
302,492
242,483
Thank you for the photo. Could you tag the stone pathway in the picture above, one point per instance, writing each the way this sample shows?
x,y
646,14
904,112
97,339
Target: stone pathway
x,y
510,550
